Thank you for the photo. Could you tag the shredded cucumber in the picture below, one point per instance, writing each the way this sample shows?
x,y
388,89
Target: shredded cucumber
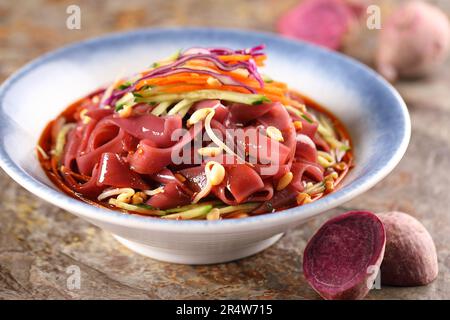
x,y
266,78
326,159
251,99
196,213
328,133
295,111
127,99
161,108
241,207
184,104
136,208
315,188
193,206
61,139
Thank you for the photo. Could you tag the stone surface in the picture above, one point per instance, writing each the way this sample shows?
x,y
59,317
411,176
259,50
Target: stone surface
x,y
38,242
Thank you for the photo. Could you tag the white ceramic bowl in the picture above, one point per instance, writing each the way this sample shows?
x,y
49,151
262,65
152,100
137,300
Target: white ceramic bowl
x,y
372,110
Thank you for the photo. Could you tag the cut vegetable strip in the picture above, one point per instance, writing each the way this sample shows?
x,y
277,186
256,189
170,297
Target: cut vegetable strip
x,y
161,108
246,207
251,99
183,104
193,206
61,139
196,213
147,210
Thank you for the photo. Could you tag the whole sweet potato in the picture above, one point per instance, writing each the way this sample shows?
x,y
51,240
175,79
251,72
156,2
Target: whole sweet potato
x,y
410,257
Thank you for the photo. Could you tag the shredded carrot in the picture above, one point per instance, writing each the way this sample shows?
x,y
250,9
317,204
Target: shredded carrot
x,y
182,77
259,60
189,87
269,89
200,63
235,57
181,88
277,84
190,81
162,82
247,81
273,94
250,81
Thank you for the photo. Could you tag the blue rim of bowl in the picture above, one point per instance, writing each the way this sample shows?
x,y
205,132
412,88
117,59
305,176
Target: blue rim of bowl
x,y
287,216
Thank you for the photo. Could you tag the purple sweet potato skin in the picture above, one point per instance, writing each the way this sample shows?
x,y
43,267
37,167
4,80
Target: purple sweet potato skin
x,y
323,22
410,258
337,258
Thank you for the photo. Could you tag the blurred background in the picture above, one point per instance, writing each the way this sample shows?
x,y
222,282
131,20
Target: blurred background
x,y
409,45
30,28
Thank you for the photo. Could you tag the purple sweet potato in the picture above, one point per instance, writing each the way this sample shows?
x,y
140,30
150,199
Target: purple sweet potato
x,y
342,259
323,22
410,258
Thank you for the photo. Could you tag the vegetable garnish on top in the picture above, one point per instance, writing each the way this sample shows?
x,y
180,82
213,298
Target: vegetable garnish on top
x,y
201,69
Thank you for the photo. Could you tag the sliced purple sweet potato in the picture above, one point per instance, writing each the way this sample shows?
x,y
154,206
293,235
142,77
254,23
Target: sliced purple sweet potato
x,y
342,259
410,258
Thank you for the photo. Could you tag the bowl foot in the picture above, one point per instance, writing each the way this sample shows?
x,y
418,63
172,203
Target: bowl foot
x,y
191,257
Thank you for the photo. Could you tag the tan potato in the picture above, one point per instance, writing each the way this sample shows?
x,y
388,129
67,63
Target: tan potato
x,y
410,257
